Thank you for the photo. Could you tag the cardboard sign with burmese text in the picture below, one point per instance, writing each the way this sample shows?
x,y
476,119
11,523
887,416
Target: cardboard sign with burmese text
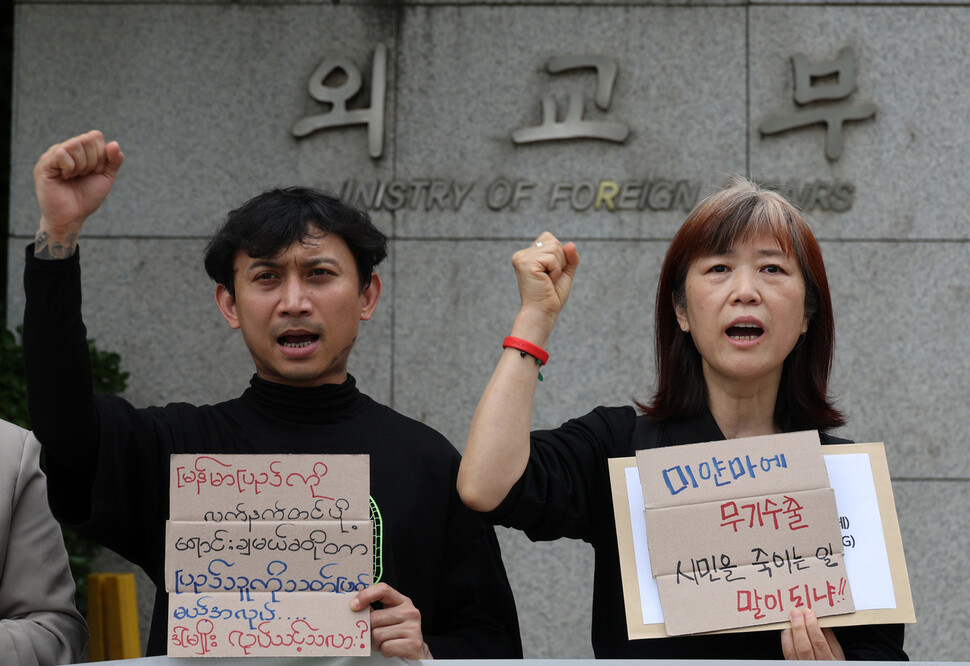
x,y
261,552
742,531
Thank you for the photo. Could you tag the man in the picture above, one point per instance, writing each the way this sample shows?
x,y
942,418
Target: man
x,y
294,273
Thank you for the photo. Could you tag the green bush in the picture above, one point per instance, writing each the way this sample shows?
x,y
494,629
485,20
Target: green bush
x,y
13,384
108,379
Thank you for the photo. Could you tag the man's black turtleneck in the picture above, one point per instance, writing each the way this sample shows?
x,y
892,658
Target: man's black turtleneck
x,y
316,405
108,471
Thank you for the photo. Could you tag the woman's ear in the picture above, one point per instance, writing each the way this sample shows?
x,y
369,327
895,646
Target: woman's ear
x,y
681,312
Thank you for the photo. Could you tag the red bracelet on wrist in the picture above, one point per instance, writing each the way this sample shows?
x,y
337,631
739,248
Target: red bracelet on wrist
x,y
535,351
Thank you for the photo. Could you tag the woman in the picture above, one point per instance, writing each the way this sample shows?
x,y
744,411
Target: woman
x,y
744,342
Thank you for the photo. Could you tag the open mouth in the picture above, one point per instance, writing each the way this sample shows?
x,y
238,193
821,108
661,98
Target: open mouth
x,y
297,341
745,332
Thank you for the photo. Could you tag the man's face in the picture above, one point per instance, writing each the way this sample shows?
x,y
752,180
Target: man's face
x,y
299,312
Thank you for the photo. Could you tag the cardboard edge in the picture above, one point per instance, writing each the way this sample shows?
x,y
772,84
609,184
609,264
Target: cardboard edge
x,y
890,528
635,627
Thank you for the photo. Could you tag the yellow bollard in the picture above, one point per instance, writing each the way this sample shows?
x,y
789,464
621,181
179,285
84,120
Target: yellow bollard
x,y
113,617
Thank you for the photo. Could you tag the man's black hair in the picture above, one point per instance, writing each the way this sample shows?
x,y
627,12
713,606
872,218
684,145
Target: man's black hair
x,y
269,223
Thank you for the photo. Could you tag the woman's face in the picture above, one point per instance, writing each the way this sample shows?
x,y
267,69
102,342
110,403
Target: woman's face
x,y
745,311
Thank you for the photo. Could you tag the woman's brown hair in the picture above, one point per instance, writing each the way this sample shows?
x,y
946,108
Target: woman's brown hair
x,y
739,212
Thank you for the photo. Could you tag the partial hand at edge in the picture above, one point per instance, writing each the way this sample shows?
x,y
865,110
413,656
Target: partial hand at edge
x,y
72,179
395,628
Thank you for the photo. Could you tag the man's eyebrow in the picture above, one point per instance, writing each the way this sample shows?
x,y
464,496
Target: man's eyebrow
x,y
257,263
325,259
273,262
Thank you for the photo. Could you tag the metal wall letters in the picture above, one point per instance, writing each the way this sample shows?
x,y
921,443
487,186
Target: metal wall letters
x,y
818,90
339,116
574,126
808,91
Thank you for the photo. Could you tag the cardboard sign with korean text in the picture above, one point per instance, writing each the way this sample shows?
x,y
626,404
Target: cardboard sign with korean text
x,y
741,531
261,552
871,538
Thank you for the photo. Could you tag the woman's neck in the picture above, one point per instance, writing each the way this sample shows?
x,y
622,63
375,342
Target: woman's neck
x,y
742,409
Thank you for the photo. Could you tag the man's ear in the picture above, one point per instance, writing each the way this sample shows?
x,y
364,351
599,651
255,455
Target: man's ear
x,y
370,296
227,306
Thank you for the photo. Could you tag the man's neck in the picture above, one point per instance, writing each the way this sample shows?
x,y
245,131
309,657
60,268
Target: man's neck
x,y
336,379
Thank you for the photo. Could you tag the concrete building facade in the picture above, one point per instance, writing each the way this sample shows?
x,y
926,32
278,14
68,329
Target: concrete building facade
x,y
466,129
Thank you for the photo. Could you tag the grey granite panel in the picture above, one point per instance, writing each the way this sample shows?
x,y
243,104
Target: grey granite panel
x,y
901,363
553,586
469,77
455,302
201,97
902,3
116,2
907,163
611,3
900,318
151,302
935,542
209,2
933,522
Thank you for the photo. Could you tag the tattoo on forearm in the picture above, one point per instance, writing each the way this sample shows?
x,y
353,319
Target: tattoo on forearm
x,y
44,248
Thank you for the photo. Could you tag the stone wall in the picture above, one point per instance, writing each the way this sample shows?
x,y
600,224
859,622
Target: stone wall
x,y
204,96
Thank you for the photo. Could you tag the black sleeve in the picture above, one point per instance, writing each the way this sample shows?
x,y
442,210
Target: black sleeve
x,y
60,389
566,481
476,617
872,642
101,454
